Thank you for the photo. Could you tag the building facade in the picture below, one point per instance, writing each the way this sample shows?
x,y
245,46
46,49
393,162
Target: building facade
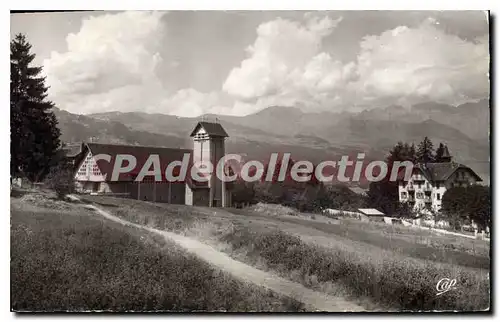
x,y
208,150
428,183
93,176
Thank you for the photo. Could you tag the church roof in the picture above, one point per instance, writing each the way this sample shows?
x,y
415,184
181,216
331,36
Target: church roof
x,y
212,129
141,153
72,151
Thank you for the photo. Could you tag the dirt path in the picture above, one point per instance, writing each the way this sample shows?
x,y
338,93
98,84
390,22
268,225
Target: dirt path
x,y
319,301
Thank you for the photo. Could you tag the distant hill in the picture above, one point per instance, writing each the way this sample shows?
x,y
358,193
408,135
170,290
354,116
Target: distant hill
x,y
80,128
473,119
312,136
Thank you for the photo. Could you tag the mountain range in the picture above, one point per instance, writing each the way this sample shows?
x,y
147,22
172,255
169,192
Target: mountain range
x,y
312,136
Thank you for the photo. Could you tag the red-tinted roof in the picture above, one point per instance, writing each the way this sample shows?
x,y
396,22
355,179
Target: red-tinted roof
x,y
141,153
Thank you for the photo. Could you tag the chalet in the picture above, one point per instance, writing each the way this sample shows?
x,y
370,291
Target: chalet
x,y
429,182
94,176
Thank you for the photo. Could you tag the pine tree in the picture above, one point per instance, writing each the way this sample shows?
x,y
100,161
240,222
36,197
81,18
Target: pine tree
x,y
413,153
397,153
425,151
383,195
401,152
34,131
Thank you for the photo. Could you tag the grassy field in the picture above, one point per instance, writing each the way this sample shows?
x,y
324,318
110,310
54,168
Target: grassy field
x,y
64,258
409,242
392,269
391,281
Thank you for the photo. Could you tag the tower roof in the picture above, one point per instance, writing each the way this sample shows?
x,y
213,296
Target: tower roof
x,y
212,129
446,153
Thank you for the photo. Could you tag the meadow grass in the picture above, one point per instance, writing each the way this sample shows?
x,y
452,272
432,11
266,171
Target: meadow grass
x,y
401,284
418,235
421,245
73,261
397,273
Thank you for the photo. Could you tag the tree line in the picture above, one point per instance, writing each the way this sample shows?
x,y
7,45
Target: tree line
x,y
423,153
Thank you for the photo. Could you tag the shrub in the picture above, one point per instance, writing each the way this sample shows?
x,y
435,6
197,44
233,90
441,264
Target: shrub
x,y
460,204
61,180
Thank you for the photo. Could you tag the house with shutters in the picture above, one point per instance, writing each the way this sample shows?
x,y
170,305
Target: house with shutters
x,y
94,175
429,181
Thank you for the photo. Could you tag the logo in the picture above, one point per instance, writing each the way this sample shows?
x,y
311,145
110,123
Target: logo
x,y
444,285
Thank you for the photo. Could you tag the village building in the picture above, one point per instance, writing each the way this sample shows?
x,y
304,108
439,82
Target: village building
x,y
371,214
95,176
429,181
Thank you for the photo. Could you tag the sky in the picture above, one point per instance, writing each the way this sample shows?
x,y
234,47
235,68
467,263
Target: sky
x,y
189,63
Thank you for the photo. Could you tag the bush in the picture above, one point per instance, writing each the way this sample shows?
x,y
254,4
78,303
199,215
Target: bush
x,y
61,180
462,204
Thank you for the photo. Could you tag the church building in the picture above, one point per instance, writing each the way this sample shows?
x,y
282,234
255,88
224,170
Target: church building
x,y
94,176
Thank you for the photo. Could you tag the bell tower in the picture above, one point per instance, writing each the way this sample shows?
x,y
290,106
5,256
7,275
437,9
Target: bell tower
x,y
209,147
446,157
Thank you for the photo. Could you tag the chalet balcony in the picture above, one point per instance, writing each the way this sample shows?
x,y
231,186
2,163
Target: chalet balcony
x,y
411,198
410,188
427,199
427,189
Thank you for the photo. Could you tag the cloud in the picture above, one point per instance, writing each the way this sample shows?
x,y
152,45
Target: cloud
x,y
190,102
287,66
410,65
109,63
284,54
112,62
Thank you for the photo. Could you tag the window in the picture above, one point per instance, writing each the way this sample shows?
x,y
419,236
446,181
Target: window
x,y
438,196
403,195
420,195
83,169
437,185
95,169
